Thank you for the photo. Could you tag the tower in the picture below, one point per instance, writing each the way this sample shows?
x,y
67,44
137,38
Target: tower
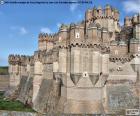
x,y
63,34
108,10
89,16
92,33
99,11
42,41
105,36
127,22
76,33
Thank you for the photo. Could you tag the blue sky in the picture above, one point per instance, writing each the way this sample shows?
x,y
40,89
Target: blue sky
x,y
20,24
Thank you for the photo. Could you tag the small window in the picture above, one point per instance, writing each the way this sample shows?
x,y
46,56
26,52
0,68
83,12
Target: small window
x,y
77,35
116,52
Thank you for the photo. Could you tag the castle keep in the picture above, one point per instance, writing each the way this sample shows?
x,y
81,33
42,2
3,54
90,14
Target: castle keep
x,y
92,67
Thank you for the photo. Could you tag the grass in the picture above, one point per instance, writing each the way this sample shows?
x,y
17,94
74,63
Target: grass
x,y
3,70
13,105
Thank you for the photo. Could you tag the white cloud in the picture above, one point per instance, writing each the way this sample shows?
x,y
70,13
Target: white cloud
x,y
23,31
132,6
20,30
73,6
45,30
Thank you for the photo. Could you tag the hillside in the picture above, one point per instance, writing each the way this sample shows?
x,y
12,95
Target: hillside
x,y
3,70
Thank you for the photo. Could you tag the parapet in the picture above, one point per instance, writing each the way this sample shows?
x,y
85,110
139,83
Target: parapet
x,y
107,12
18,59
76,26
46,37
127,21
136,19
130,21
63,28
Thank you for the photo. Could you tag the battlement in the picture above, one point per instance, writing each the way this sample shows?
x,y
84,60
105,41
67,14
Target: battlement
x,y
46,37
99,13
63,28
18,59
132,21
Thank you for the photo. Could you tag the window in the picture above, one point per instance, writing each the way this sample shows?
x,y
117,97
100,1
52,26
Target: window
x,y
77,35
85,74
116,52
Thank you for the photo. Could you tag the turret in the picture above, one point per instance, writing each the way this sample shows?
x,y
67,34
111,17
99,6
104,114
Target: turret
x,y
105,37
92,32
63,33
38,71
127,22
99,11
42,41
94,12
116,14
88,14
88,17
136,31
76,32
50,42
135,19
108,11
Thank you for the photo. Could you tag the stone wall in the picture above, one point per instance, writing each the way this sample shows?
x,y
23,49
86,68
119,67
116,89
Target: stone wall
x,y
25,90
4,82
15,113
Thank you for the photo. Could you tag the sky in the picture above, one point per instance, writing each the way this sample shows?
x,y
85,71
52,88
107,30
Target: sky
x,y
20,24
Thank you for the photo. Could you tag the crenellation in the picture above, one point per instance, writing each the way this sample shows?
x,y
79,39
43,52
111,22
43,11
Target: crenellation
x,y
84,62
127,21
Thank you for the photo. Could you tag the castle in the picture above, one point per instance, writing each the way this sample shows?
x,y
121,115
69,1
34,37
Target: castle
x,y
92,67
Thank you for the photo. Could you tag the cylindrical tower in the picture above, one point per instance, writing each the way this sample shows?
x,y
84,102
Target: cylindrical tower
x,y
105,64
92,33
116,14
105,37
76,33
88,17
63,34
108,11
99,11
127,22
38,71
42,41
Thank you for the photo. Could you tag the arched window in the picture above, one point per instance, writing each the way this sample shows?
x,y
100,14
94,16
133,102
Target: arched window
x,y
116,52
77,35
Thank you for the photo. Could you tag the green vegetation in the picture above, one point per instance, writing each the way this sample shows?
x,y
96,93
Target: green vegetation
x,y
3,70
13,105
